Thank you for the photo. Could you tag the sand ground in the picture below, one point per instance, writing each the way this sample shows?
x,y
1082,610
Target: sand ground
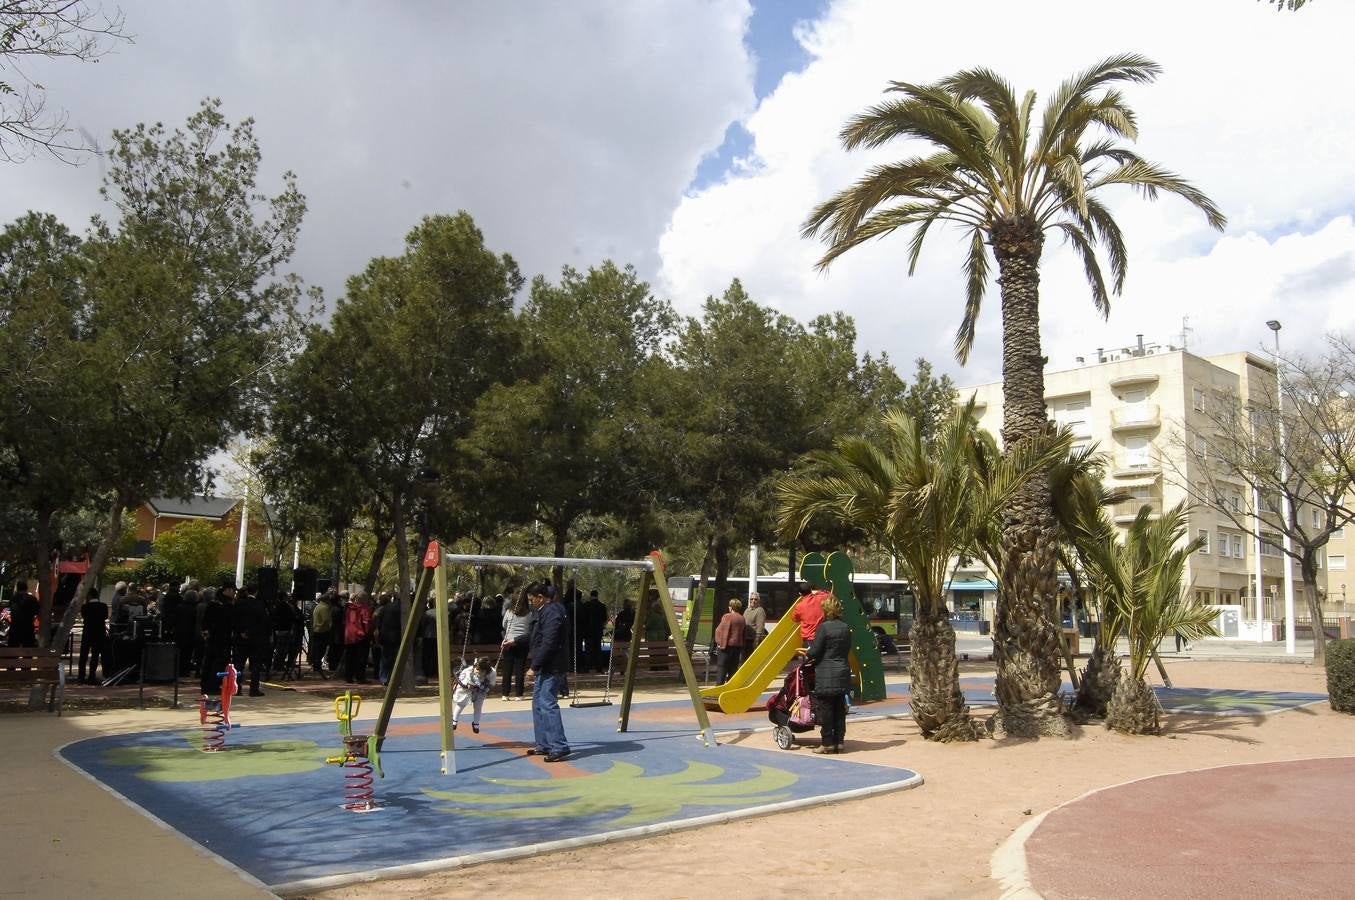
x,y
933,841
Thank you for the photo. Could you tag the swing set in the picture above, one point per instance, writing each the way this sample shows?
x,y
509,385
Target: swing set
x,y
433,578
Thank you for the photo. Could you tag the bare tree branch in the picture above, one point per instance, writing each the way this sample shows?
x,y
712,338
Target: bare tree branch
x,y
48,29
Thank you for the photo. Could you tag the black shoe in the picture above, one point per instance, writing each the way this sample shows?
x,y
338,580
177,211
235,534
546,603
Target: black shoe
x,y
557,757
475,727
535,752
256,693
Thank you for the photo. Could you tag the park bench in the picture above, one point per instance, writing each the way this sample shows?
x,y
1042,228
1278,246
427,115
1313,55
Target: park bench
x,y
22,667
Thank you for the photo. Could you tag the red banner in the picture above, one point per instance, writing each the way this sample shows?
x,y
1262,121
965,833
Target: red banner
x,y
430,556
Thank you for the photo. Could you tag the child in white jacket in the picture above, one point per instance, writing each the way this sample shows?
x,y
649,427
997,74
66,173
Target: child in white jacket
x,y
472,685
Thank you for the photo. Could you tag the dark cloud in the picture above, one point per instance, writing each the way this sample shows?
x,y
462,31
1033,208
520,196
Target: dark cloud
x,y
568,134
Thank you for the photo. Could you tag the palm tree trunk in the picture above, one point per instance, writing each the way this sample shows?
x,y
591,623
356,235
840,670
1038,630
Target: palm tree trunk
x,y
1026,642
1133,708
1099,680
937,703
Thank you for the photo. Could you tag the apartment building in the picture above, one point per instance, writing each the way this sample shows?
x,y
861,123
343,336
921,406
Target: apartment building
x,y
1144,407
1340,568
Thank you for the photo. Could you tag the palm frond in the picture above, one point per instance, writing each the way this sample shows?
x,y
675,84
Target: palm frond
x,y
976,284
1109,236
1150,178
1127,67
1083,245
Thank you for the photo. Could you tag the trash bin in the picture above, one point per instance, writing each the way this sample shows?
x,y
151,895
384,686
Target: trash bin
x,y
1086,629
985,627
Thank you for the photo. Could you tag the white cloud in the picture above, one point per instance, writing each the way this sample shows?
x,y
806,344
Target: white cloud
x,y
569,131
1249,108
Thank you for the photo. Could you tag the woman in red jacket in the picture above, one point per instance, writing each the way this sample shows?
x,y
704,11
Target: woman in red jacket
x,y
357,632
729,638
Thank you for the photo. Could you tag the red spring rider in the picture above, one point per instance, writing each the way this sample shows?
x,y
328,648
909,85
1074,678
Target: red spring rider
x,y
358,758
215,715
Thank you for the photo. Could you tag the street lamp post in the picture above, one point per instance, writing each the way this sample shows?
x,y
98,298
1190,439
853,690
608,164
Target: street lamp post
x,y
1287,560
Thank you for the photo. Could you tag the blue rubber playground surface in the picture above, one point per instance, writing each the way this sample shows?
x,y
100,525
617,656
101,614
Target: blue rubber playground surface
x,y
270,806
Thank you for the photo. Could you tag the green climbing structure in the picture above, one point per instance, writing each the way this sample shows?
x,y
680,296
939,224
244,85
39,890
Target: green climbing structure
x,y
834,573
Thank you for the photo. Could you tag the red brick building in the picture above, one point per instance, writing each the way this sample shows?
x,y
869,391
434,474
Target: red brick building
x,y
162,514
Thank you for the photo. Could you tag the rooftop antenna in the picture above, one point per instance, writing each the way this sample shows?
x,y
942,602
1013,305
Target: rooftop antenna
x,y
1185,332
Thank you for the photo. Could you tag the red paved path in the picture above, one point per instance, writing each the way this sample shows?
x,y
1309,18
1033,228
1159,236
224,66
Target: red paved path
x,y
1265,830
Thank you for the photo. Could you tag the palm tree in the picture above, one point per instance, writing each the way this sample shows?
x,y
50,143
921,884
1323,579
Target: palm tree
x,y
1143,578
917,498
1007,181
1080,502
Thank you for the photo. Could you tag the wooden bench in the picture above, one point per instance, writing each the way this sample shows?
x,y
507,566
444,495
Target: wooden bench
x,y
22,667
656,659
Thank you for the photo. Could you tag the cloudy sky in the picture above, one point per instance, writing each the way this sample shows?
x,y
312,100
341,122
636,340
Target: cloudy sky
x,y
691,138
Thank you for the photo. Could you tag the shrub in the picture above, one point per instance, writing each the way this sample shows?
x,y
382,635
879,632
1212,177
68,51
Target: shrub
x,y
1341,675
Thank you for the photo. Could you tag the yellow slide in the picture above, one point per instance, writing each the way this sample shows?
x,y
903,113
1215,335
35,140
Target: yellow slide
x,y
759,670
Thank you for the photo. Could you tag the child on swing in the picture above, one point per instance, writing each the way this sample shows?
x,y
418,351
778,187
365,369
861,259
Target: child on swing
x,y
472,685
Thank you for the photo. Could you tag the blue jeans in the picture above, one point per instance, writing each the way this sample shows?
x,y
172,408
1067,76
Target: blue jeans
x,y
547,727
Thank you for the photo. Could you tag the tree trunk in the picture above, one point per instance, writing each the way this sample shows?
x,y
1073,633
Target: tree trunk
x,y
402,596
1133,708
91,577
1308,566
378,556
336,568
938,704
1100,678
698,601
718,603
1025,641
42,565
561,535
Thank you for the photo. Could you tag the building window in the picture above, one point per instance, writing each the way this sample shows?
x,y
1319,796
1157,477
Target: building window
x,y
1235,501
1237,547
1338,534
1201,447
1337,563
1136,453
1226,598
1205,597
1317,518
1223,545
1197,399
1204,538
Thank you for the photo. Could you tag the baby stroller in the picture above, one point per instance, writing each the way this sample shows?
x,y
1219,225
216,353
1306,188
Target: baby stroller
x,y
792,709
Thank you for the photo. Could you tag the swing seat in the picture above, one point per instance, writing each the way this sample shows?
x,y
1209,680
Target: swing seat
x,y
588,704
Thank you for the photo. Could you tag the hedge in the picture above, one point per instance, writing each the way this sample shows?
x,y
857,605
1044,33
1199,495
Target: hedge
x,y
1341,675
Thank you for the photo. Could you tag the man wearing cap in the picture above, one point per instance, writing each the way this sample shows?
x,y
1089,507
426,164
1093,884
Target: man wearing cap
x,y
548,659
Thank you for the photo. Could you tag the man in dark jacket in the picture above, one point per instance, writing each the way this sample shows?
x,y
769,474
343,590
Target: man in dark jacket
x,y
548,658
592,623
216,637
186,628
23,611
249,619
93,636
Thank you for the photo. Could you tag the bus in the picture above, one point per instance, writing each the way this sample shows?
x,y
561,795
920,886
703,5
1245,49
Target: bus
x,y
888,602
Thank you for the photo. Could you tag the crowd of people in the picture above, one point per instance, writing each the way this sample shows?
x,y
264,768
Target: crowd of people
x,y
335,634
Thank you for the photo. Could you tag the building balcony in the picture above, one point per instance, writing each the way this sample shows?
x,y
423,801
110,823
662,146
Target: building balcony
x,y
1126,511
1135,416
1132,380
1135,467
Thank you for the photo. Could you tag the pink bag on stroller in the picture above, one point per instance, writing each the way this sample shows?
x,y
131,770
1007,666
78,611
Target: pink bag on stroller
x,y
802,710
